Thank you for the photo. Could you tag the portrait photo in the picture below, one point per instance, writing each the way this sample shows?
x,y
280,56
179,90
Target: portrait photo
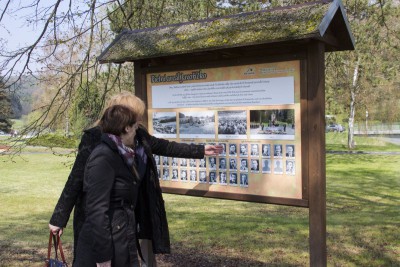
x,y
290,151
184,175
278,166
157,159
290,167
213,177
202,163
192,163
165,161
212,163
193,175
222,178
254,152
244,165
232,164
183,163
222,163
174,176
266,150
243,152
278,151
165,174
233,179
266,166
255,166
244,180
202,177
223,152
232,149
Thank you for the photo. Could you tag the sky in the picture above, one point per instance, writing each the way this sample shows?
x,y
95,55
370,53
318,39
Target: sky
x,y
15,31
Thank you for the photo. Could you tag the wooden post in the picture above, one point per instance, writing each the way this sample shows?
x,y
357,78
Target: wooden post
x,y
316,152
140,88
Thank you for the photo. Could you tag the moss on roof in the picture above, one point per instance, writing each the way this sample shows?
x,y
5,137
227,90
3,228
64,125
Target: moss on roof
x,y
296,22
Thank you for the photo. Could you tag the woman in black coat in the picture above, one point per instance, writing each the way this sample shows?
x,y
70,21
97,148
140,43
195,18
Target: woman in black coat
x,y
150,210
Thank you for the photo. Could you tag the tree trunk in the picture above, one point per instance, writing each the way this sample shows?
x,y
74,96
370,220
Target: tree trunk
x,y
350,139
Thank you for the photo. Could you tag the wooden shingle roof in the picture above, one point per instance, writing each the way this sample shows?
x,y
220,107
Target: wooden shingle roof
x,y
323,20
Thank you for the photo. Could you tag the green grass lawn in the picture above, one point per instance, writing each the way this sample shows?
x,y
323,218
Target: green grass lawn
x,y
363,217
338,142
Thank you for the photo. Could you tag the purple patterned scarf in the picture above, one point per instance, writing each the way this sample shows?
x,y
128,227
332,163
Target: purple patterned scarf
x,y
126,152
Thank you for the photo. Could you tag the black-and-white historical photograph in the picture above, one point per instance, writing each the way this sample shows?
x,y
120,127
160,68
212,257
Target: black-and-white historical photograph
x,y
192,163
232,124
202,177
244,167
165,161
213,177
222,163
272,124
164,124
222,178
223,152
174,176
278,166
157,159
290,167
165,174
197,124
255,165
243,152
278,153
174,162
266,151
244,180
290,151
202,163
212,163
254,152
193,175
233,178
232,164
232,150
184,175
183,163
266,166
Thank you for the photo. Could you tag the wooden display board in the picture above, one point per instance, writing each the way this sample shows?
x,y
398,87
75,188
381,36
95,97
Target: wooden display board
x,y
252,109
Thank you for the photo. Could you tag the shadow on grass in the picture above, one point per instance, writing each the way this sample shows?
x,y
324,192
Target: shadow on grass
x,y
184,256
24,241
363,210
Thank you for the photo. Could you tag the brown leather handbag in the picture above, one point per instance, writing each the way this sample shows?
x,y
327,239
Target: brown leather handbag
x,y
55,262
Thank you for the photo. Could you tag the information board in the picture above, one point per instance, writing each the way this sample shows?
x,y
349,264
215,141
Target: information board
x,y
252,110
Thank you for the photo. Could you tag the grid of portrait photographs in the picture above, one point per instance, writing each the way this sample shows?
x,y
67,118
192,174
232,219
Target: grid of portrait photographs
x,y
231,168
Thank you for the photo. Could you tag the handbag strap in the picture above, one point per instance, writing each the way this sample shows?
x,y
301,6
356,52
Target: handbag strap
x,y
57,244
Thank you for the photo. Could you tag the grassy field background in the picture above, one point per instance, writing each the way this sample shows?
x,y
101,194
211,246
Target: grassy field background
x,y
363,216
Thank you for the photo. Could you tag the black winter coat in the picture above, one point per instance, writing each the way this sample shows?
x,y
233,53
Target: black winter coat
x,y
110,187
150,210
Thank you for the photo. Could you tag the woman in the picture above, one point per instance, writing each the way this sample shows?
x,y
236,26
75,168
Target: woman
x,y
113,174
150,209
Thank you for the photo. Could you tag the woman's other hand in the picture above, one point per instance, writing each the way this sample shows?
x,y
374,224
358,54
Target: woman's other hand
x,y
55,230
213,150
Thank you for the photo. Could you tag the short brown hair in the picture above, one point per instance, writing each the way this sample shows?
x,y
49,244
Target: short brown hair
x,y
116,118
